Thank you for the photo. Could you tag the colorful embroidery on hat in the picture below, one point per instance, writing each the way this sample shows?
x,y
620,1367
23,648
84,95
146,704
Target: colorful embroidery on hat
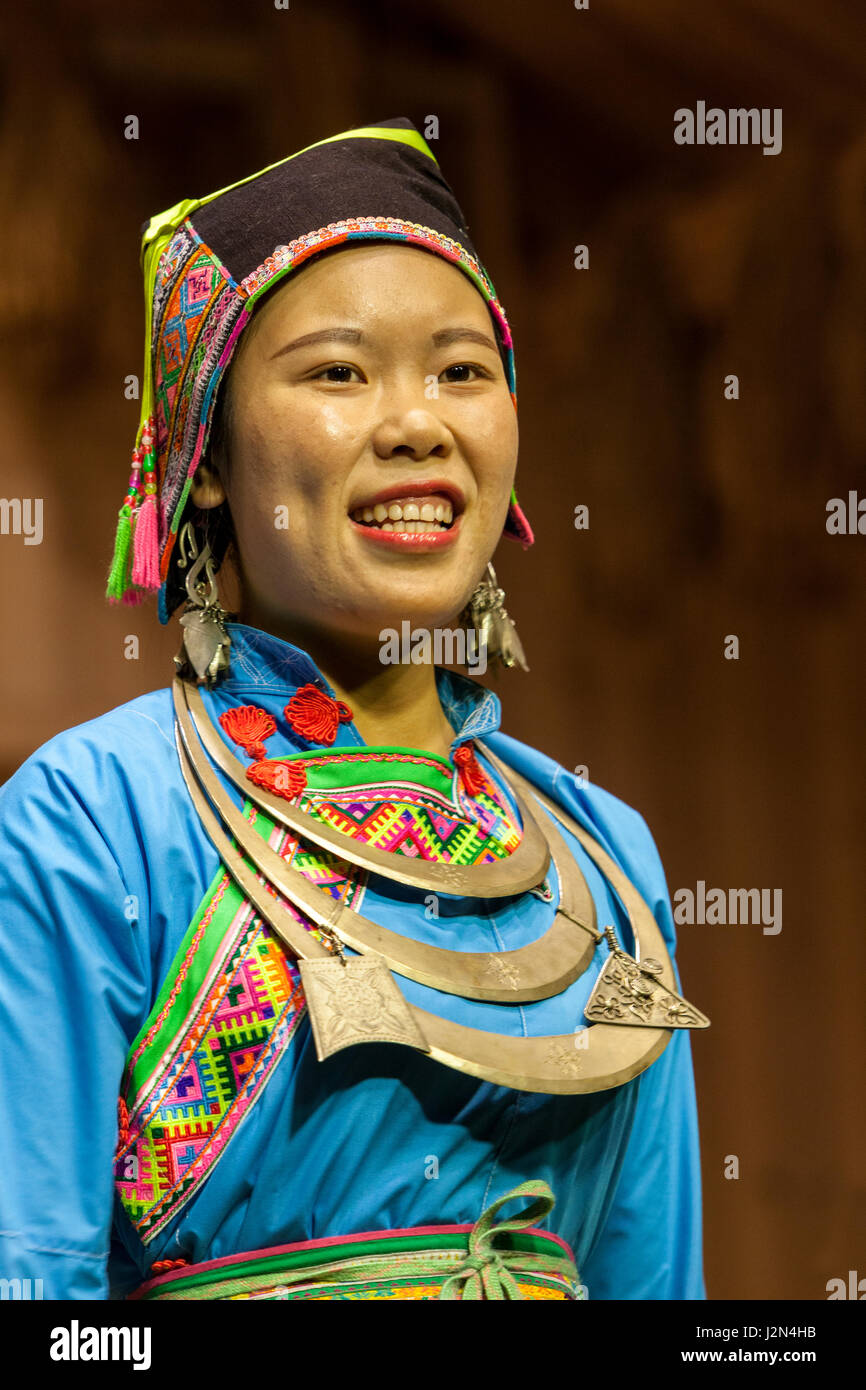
x,y
193,342
288,257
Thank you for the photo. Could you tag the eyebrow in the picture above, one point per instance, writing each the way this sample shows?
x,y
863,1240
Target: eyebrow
x,y
443,338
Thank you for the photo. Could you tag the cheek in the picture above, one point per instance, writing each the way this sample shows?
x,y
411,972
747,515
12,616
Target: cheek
x,y
298,458
332,423
495,442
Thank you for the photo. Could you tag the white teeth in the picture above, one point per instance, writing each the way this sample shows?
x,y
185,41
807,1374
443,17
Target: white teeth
x,y
401,525
406,516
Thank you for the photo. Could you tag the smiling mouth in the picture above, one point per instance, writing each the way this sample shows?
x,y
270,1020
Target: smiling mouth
x,y
413,514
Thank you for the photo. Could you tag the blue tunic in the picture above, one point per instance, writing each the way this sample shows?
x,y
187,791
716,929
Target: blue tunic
x,y
99,817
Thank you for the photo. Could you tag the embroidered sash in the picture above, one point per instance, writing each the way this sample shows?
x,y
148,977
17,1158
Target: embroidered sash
x,y
492,1259
232,1000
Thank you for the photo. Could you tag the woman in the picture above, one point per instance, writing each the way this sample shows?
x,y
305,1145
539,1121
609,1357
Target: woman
x,y
299,1023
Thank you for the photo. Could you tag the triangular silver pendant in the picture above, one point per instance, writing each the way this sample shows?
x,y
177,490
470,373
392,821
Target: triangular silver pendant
x,y
630,992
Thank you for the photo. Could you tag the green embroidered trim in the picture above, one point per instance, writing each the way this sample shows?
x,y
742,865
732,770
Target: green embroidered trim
x,y
193,961
344,769
184,973
210,1045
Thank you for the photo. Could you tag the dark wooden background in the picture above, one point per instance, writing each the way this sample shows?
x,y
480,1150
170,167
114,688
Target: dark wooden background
x,y
707,516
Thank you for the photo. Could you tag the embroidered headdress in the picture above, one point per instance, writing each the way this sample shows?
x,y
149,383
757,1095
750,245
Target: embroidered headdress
x,y
209,261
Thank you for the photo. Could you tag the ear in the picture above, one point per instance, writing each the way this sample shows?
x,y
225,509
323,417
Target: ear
x,y
207,489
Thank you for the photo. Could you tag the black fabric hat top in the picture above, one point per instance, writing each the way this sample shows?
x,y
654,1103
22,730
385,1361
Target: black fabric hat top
x,y
324,184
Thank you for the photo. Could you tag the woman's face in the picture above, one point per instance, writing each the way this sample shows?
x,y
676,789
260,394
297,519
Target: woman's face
x,y
373,445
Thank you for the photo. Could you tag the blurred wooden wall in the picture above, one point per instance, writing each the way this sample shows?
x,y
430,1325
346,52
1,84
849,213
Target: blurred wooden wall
x,y
707,516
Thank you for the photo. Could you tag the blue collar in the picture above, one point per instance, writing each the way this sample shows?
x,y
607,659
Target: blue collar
x,y
263,664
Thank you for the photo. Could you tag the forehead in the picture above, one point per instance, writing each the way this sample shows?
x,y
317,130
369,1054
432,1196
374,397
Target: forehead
x,y
373,278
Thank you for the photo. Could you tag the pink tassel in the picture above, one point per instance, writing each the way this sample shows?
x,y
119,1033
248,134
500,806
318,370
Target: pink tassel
x,y
145,565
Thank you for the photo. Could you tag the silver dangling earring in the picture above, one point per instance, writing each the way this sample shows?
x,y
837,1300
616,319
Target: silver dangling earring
x,y
206,642
496,632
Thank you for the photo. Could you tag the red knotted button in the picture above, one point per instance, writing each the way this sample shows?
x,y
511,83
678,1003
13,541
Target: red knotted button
x,y
283,779
469,769
248,725
315,715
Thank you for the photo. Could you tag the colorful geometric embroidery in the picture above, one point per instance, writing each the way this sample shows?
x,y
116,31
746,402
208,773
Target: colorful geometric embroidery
x,y
426,813
193,323
233,1001
422,830
205,1058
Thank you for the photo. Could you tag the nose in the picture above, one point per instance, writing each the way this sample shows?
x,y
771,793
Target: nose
x,y
410,428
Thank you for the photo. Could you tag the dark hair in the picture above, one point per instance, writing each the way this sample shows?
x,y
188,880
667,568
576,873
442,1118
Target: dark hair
x,y
213,525
218,451
218,527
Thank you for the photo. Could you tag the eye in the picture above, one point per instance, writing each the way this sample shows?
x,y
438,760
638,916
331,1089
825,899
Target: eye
x,y
325,374
465,367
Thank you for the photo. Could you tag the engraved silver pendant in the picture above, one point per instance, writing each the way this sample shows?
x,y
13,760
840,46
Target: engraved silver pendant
x,y
629,992
356,1000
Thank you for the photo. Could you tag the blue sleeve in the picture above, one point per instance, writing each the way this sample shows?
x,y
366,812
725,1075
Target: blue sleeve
x,y
73,989
651,1244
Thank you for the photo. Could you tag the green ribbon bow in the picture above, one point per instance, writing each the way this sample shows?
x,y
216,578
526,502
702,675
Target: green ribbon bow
x,y
484,1272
